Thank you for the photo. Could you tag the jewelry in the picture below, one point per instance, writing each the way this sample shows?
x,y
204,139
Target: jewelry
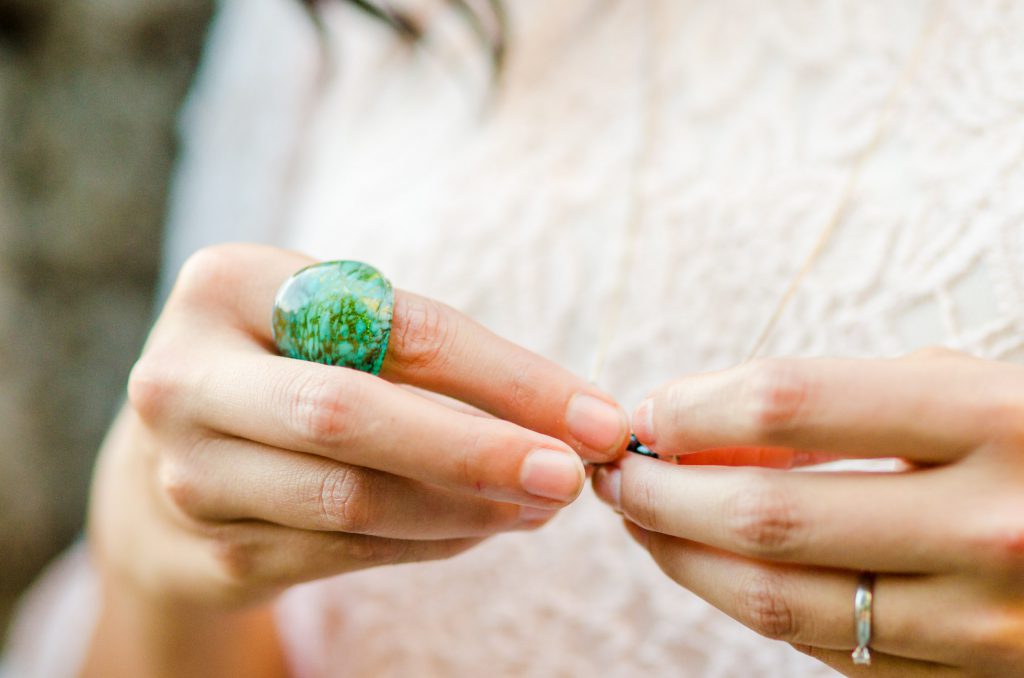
x,y
335,313
862,610
637,447
641,164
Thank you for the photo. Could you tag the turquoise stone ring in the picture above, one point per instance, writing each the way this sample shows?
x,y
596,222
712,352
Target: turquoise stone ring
x,y
335,313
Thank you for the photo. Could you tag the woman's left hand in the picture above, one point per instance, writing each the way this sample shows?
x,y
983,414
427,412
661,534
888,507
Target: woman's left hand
x,y
781,551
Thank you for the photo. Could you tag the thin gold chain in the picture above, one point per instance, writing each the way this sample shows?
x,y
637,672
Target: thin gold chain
x,y
635,207
642,160
842,206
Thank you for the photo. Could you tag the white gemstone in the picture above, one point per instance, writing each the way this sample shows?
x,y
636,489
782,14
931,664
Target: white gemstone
x,y
862,656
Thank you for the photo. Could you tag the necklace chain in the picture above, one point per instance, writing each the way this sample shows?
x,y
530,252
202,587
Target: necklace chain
x,y
642,162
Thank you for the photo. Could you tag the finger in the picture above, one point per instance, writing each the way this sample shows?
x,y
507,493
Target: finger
x,y
230,479
250,556
811,606
357,419
811,518
882,665
925,410
448,401
765,457
431,346
437,348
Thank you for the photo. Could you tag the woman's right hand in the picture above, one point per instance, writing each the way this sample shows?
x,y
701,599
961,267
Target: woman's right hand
x,y
234,473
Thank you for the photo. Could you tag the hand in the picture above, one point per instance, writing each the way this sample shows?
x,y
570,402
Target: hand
x,y
781,551
234,473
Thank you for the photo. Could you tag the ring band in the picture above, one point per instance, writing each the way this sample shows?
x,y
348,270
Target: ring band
x,y
335,313
862,610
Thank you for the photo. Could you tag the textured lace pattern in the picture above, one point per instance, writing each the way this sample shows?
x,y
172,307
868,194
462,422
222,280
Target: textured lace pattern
x,y
516,216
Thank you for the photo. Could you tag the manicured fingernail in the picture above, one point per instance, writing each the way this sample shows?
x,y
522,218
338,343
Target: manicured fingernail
x,y
597,424
609,486
532,515
643,422
552,475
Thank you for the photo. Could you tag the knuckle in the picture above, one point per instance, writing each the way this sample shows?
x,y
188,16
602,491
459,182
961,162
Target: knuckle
x,y
319,408
500,517
152,388
523,390
364,551
421,331
674,404
476,460
639,502
494,518
763,606
344,500
1000,545
236,557
467,467
776,397
178,484
209,271
996,637
762,517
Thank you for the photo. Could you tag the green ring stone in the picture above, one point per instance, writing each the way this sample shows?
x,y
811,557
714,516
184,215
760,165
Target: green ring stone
x,y
335,313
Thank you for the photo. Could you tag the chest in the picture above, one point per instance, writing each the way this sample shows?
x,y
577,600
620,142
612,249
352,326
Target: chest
x,y
715,152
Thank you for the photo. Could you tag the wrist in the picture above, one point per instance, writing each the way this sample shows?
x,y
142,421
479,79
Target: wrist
x,y
139,634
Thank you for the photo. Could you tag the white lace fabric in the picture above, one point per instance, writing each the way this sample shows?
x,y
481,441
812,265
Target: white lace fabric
x,y
514,214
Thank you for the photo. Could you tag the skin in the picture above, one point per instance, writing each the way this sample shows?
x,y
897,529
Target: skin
x,y
780,550
234,473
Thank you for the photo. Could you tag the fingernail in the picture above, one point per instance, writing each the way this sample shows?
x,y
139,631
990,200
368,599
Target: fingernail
x,y
643,422
552,475
609,486
532,514
597,424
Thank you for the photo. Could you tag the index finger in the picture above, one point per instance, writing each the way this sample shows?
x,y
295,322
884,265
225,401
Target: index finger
x,y
432,346
924,410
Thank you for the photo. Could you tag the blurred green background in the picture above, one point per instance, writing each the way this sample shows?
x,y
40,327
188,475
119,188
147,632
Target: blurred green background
x,y
89,92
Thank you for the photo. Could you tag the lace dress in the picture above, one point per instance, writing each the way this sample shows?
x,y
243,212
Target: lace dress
x,y
512,206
